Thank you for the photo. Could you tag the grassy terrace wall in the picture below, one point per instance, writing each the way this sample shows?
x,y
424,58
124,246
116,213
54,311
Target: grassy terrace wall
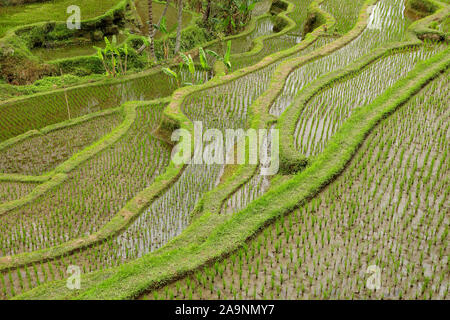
x,y
148,85
212,236
121,220
291,159
59,174
132,279
192,35
15,45
175,118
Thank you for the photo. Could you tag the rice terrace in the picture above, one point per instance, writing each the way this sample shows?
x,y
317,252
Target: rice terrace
x,y
224,150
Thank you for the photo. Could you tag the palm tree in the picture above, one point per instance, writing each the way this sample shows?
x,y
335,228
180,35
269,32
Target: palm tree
x,y
207,12
151,33
162,16
180,22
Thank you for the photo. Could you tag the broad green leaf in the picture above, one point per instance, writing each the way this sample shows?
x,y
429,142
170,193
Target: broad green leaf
x,y
228,53
99,52
185,59
191,65
163,25
203,60
107,45
213,53
170,73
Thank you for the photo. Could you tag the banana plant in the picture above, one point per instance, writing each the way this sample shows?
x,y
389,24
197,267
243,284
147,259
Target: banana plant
x,y
101,55
115,52
125,52
109,49
203,59
173,75
163,29
245,8
188,62
226,59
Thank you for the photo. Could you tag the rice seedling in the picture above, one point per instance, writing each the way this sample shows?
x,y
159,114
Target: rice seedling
x,y
371,215
326,112
345,12
14,190
42,153
386,24
226,106
22,115
94,192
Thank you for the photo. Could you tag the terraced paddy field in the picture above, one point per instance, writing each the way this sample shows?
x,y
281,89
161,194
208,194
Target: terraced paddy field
x,y
388,208
20,15
86,49
350,99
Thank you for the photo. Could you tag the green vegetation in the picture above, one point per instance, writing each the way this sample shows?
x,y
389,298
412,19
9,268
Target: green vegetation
x,y
10,191
44,151
56,10
358,93
299,256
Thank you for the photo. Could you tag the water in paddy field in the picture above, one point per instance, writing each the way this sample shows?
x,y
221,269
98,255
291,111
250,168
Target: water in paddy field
x,y
73,50
387,23
264,27
243,44
254,188
170,214
85,100
93,193
325,113
261,7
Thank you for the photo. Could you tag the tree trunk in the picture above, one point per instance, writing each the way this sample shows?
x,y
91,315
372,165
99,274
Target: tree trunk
x,y
207,12
180,26
151,32
163,15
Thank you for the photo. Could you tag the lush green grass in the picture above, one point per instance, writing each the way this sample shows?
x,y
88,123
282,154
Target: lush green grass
x,y
345,12
297,257
82,49
56,10
171,16
73,50
211,235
